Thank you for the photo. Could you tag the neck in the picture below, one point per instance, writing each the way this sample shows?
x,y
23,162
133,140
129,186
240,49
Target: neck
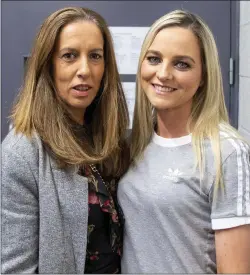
x,y
78,116
172,124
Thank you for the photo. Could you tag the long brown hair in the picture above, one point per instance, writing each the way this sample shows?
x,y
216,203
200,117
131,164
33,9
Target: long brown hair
x,y
39,108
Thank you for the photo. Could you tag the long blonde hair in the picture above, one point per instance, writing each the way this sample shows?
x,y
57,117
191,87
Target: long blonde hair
x,y
39,108
208,113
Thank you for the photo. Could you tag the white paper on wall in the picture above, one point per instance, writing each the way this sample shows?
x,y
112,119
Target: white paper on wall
x,y
127,44
129,90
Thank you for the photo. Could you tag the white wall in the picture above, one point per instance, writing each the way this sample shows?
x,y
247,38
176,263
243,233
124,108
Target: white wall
x,y
244,71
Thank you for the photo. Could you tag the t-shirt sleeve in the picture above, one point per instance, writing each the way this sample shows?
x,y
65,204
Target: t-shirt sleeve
x,y
230,204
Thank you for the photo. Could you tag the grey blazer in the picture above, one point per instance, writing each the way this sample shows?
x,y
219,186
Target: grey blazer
x,y
44,211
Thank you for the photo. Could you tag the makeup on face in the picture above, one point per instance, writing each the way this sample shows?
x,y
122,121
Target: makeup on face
x,y
171,70
78,65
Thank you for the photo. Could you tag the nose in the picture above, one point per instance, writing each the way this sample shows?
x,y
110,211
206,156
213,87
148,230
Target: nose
x,y
164,72
83,69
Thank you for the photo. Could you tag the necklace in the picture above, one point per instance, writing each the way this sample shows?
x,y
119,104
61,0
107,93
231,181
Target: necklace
x,y
114,199
96,172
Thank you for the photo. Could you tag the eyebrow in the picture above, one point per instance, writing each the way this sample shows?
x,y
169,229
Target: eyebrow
x,y
175,57
97,50
184,57
74,50
153,52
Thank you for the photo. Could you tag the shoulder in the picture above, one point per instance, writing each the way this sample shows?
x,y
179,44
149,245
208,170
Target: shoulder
x,y
20,144
20,165
233,146
19,150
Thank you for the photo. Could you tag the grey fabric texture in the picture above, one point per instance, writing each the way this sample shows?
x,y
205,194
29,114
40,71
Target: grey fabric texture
x,y
44,211
170,215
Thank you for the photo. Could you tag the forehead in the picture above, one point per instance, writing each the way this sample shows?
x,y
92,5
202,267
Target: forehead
x,y
177,40
80,32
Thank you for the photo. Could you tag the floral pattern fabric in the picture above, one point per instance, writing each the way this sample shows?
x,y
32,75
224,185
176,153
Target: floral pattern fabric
x,y
104,239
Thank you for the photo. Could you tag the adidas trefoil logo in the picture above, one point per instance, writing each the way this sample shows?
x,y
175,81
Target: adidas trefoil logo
x,y
173,175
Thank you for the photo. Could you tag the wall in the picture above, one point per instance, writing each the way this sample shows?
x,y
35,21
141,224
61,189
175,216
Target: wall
x,y
244,70
21,19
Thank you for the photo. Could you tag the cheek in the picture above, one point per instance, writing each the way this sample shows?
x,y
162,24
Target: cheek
x,y
190,80
62,79
62,73
147,71
99,72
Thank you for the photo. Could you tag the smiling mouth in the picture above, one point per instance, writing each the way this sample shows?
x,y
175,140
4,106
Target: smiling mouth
x,y
163,89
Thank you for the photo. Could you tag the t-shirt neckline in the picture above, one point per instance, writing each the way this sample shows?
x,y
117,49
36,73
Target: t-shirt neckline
x,y
171,142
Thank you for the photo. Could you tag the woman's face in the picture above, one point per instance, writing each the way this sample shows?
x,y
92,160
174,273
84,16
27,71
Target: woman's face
x,y
172,69
78,66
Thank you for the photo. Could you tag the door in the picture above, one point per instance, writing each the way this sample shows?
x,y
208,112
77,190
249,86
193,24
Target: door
x,y
21,19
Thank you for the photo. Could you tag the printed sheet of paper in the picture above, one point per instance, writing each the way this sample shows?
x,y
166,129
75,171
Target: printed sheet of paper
x,y
127,44
129,90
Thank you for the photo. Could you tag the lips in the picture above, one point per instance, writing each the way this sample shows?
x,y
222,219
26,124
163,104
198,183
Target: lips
x,y
163,89
82,87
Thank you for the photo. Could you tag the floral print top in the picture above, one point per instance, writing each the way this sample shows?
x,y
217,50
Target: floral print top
x,y
104,242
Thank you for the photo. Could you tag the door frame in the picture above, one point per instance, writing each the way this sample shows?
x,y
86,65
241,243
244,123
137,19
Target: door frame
x,y
234,52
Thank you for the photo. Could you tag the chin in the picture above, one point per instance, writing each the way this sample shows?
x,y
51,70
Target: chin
x,y
82,104
161,105
161,108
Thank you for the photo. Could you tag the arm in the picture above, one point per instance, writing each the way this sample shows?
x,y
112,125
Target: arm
x,y
19,215
233,250
231,212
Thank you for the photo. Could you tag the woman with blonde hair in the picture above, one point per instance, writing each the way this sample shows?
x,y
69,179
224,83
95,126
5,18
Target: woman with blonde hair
x,y
186,197
61,161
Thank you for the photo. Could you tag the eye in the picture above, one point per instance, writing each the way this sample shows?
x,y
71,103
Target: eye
x,y
182,65
95,56
154,60
69,56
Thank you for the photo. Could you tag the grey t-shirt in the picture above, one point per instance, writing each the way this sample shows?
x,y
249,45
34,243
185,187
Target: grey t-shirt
x,y
170,216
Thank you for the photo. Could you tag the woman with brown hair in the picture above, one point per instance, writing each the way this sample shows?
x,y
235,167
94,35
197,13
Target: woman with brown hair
x,y
59,215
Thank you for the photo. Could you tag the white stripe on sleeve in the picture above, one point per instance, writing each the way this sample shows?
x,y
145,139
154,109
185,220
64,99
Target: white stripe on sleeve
x,y
239,171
